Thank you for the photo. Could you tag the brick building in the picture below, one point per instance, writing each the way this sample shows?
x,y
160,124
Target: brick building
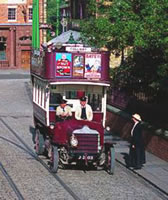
x,y
16,32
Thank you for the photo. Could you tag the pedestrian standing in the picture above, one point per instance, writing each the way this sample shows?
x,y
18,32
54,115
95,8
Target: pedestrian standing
x,y
137,149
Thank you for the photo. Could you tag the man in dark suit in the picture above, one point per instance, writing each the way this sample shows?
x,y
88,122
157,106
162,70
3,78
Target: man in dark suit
x,y
137,150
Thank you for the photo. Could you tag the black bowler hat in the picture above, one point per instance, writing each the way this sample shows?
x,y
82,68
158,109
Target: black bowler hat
x,y
83,99
62,101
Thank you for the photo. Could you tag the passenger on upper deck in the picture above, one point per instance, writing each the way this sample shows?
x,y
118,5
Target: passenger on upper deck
x,y
63,111
84,111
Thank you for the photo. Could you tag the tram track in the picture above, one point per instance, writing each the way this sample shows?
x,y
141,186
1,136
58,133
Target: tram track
x,y
11,183
35,156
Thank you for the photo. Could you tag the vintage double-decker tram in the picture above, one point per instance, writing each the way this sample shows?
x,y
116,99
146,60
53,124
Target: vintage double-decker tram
x,y
71,73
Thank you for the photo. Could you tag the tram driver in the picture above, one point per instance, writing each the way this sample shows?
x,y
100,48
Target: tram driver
x,y
84,111
63,111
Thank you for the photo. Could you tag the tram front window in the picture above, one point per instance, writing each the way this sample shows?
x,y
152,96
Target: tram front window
x,y
73,94
94,100
54,100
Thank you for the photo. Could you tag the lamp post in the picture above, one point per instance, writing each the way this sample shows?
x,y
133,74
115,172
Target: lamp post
x,y
35,26
64,21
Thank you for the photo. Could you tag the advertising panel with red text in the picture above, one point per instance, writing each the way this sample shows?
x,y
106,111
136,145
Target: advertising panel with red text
x,y
93,66
63,64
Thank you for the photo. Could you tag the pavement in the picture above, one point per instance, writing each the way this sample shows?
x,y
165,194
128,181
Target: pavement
x,y
155,171
14,74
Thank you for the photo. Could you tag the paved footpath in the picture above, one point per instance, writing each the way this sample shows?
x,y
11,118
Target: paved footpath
x,y
14,74
154,171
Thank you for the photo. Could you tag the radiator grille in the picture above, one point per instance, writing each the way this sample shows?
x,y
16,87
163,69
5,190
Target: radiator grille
x,y
87,143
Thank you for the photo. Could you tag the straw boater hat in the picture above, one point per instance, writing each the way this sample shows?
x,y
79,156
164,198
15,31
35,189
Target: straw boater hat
x,y
137,117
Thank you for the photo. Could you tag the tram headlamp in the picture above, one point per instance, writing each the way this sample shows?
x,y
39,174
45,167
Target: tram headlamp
x,y
73,141
52,125
107,128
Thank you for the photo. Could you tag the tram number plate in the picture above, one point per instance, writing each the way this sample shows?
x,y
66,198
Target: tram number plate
x,y
85,157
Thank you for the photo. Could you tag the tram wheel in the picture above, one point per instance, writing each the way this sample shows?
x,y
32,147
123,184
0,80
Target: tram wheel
x,y
110,162
54,159
39,142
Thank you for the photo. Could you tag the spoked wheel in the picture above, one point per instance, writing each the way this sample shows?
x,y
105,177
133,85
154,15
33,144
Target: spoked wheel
x,y
110,161
54,159
39,142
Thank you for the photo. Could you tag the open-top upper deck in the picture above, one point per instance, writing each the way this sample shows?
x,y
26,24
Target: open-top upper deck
x,y
71,66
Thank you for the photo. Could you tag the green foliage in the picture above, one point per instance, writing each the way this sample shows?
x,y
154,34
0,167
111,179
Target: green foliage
x,y
51,16
140,24
98,35
51,12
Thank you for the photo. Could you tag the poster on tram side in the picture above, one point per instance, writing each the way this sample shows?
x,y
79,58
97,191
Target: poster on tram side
x,y
92,66
63,64
78,65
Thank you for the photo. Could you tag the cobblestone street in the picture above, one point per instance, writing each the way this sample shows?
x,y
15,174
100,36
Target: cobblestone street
x,y
33,180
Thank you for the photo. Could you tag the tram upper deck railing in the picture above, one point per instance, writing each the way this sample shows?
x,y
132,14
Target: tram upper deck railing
x,y
71,66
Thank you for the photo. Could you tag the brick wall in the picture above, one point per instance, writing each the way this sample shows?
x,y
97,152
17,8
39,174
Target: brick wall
x,y
154,143
14,31
22,11
3,13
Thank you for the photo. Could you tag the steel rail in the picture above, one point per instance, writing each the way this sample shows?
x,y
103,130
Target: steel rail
x,y
34,155
11,183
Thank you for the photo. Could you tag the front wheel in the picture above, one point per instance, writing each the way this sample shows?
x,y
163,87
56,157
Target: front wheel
x,y
54,159
39,142
110,160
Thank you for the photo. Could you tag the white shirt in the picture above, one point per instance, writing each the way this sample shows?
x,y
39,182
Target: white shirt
x,y
89,112
133,128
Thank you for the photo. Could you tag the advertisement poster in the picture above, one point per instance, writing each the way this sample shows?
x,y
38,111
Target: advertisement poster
x,y
63,64
78,65
93,66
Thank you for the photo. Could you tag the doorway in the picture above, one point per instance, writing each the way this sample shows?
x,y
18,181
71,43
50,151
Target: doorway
x,y
25,59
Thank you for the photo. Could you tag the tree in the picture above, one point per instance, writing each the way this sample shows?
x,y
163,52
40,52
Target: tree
x,y
52,15
138,24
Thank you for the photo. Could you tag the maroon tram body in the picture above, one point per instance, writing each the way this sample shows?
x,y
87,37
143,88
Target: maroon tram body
x,y
70,74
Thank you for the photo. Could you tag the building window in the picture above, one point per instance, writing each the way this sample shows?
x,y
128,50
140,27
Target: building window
x,y
2,48
23,38
11,13
30,14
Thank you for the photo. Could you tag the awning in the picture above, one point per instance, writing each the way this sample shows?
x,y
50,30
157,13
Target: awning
x,y
64,37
